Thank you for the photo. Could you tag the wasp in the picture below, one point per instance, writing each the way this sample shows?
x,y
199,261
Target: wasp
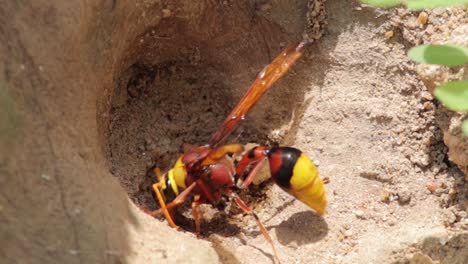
x,y
207,174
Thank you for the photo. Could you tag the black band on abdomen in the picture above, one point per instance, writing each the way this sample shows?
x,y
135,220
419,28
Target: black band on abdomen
x,y
288,158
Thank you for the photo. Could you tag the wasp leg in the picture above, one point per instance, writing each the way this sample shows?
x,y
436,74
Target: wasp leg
x,y
158,174
265,233
162,203
326,180
177,201
196,217
248,180
205,190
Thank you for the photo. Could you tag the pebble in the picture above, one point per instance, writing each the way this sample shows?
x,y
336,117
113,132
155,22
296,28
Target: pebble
x,y
428,106
392,222
45,177
451,218
166,13
317,162
427,96
389,34
404,197
348,233
432,187
443,240
422,18
359,214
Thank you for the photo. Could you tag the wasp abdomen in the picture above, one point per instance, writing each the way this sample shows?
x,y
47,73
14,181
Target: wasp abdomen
x,y
293,171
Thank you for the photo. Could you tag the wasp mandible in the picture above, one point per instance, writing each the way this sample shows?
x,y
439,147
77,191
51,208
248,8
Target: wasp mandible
x,y
207,174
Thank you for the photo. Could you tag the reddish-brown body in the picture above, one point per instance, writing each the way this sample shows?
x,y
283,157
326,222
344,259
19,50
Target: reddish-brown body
x,y
212,180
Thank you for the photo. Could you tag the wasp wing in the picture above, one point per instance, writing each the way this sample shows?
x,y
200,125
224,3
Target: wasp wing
x,y
270,74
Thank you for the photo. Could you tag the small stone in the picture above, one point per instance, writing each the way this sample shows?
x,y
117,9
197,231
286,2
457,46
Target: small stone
x,y
359,214
389,34
443,240
348,233
432,187
422,18
404,197
427,96
317,163
45,177
166,13
428,106
451,218
421,160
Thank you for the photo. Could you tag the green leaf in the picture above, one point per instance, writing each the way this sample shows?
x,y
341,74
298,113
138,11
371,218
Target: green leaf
x,y
447,55
382,3
454,95
415,4
422,4
465,127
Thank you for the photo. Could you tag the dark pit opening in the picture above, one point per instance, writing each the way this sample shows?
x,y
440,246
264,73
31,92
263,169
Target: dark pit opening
x,y
160,108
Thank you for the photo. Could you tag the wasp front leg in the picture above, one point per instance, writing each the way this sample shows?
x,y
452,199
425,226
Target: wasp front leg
x,y
162,203
256,157
165,207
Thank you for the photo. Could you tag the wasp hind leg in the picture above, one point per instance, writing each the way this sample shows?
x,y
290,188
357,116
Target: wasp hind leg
x,y
265,233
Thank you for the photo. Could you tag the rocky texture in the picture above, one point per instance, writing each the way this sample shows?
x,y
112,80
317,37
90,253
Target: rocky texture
x,y
442,26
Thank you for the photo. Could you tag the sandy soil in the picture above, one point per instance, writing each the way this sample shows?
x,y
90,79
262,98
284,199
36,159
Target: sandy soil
x,y
155,75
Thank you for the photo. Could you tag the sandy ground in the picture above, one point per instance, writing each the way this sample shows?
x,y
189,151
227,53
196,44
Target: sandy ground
x,y
364,117
155,75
